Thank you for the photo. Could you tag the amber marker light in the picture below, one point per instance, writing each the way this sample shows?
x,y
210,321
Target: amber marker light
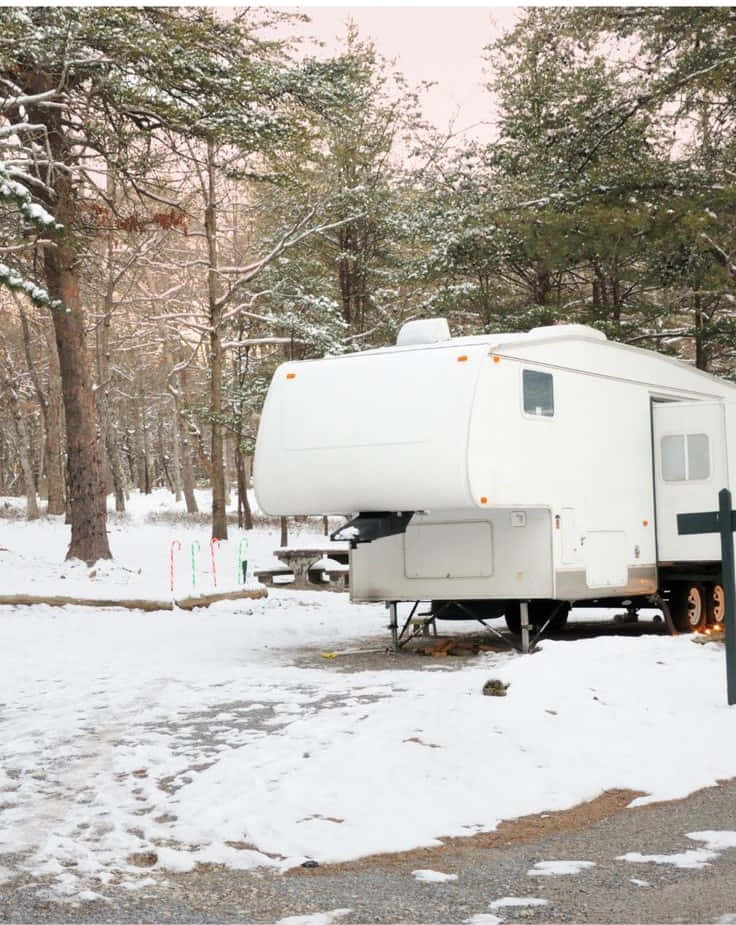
x,y
645,523
496,359
462,358
484,500
291,375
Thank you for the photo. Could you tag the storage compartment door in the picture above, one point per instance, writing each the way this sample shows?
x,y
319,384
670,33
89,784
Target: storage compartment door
x,y
449,550
605,559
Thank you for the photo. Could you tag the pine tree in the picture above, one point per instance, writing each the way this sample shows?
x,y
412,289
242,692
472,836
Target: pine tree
x,y
77,77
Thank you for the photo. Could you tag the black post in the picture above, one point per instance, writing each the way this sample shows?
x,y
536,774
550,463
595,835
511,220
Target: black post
x,y
725,517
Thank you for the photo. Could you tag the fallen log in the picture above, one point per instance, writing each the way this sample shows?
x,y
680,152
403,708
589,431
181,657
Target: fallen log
x,y
186,603
204,600
63,601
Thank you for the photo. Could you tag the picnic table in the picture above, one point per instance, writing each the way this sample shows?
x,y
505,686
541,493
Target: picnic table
x,y
315,567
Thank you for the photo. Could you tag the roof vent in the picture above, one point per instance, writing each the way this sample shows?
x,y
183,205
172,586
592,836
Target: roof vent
x,y
568,330
423,331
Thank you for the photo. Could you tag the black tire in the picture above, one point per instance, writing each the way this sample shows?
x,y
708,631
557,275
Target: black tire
x,y
688,606
559,620
715,604
539,611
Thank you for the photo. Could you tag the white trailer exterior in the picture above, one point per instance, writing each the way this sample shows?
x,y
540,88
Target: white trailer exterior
x,y
546,467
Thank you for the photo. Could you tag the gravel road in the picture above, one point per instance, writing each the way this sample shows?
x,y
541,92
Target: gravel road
x,y
488,868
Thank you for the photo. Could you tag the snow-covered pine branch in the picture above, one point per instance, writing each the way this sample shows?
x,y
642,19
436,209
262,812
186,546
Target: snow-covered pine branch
x,y
726,261
290,238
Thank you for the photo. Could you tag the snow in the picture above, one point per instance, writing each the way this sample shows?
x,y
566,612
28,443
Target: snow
x,y
693,859
558,868
715,841
697,858
220,735
432,876
38,214
331,564
319,918
509,902
143,543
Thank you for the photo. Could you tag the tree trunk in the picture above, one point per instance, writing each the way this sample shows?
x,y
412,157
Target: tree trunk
x,y
147,461
542,289
24,452
702,358
88,510
240,479
103,371
54,431
175,434
176,460
86,494
284,533
187,474
40,479
50,405
247,513
227,466
116,466
181,437
8,378
217,477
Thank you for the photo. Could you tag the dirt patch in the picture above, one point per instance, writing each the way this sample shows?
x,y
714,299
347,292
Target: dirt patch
x,y
374,656
512,832
462,645
375,653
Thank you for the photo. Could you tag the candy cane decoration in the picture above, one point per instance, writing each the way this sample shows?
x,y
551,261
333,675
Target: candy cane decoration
x,y
174,544
213,543
195,556
242,563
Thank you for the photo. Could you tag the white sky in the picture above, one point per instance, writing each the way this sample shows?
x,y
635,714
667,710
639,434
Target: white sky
x,y
440,44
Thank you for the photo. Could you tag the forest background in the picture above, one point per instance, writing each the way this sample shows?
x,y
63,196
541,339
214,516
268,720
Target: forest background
x,y
186,200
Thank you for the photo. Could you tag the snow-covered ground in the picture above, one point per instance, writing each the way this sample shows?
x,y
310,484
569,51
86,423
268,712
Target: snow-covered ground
x,y
143,542
134,743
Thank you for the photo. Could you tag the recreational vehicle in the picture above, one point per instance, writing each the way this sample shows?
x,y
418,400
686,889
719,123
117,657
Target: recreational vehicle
x,y
507,474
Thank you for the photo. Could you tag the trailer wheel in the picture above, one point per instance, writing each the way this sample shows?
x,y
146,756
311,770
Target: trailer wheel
x,y
560,618
688,606
716,604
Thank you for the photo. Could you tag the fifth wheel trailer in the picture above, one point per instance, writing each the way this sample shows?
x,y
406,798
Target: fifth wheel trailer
x,y
482,472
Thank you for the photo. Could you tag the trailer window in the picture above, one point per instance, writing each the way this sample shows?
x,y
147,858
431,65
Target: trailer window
x,y
685,458
673,459
698,456
539,396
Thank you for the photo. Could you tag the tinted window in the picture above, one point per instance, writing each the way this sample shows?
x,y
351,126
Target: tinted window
x,y
539,397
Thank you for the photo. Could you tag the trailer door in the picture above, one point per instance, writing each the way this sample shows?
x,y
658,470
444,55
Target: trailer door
x,y
690,468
